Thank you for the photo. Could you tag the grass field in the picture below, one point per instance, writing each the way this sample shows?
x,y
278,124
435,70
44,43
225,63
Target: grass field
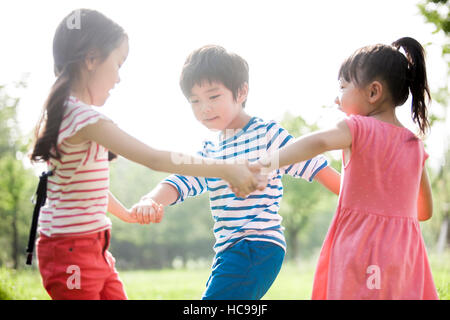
x,y
293,282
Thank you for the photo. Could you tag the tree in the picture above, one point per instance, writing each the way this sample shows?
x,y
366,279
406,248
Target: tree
x,y
185,231
15,180
437,12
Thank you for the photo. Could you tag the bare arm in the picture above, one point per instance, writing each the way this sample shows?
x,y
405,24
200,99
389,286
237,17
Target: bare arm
x,y
116,208
330,179
164,194
309,146
116,140
425,199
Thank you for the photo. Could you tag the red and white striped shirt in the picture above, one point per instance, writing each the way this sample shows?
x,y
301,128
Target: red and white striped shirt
x,y
77,192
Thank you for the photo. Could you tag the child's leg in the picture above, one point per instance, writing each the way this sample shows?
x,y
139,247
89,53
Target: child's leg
x,y
245,271
113,287
73,268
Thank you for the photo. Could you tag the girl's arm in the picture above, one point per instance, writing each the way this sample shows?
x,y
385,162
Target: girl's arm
x,y
116,208
330,179
309,146
107,134
425,199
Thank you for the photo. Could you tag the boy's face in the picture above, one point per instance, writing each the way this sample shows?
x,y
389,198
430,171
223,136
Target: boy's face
x,y
214,106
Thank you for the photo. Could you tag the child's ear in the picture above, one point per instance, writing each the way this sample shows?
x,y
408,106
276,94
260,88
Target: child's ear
x,y
374,91
242,93
91,60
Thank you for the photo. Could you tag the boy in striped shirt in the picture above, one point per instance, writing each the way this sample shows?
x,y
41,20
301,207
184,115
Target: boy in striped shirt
x,y
250,245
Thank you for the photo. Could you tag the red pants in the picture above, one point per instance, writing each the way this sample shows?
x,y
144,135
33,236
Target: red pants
x,y
79,268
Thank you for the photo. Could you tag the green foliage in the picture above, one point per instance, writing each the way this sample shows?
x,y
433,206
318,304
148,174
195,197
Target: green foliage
x,y
16,183
185,232
436,12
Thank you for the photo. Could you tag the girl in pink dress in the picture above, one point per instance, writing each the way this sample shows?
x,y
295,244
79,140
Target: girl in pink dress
x,y
374,247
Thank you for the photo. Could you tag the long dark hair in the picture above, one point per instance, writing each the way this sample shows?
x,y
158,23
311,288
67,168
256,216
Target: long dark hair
x,y
81,32
403,73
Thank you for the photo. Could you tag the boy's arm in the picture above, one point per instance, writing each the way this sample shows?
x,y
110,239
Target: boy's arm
x,y
164,194
425,199
150,209
330,179
174,189
116,208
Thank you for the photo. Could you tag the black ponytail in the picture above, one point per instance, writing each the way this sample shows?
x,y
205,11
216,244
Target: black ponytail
x,y
51,118
418,83
402,73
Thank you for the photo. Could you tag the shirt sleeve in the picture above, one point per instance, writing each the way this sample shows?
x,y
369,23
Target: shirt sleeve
x,y
279,137
187,186
355,126
76,117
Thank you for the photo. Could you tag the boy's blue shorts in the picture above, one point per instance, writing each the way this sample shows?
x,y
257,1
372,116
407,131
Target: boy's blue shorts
x,y
244,271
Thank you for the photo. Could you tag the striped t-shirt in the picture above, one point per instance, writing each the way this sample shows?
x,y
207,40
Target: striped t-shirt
x,y
256,216
77,192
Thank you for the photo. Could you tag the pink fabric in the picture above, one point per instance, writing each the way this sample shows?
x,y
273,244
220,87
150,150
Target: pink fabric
x,y
374,247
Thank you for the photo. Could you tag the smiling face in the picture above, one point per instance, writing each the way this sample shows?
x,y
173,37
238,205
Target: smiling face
x,y
214,106
103,75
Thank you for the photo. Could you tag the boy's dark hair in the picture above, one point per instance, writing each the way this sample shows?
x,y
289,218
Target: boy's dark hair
x,y
403,73
214,63
70,48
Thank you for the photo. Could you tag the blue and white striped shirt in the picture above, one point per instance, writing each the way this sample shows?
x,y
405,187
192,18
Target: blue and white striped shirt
x,y
256,216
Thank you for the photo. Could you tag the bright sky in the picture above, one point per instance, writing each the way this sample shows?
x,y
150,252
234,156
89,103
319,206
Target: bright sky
x,y
294,50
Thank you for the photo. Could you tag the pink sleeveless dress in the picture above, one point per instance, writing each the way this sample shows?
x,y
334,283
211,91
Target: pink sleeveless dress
x,y
374,247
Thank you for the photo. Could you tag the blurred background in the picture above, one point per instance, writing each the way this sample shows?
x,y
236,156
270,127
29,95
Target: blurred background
x,y
294,50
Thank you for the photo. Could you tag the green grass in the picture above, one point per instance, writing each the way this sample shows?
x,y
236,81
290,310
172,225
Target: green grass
x,y
21,285
293,282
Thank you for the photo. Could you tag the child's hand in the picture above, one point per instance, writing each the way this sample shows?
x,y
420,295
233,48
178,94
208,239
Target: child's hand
x,y
147,211
261,175
244,179
126,216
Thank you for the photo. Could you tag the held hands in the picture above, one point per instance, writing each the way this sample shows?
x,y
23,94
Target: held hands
x,y
242,178
147,211
126,216
246,178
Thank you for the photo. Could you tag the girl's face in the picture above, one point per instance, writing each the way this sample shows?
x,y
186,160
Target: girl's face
x,y
214,106
103,76
352,99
